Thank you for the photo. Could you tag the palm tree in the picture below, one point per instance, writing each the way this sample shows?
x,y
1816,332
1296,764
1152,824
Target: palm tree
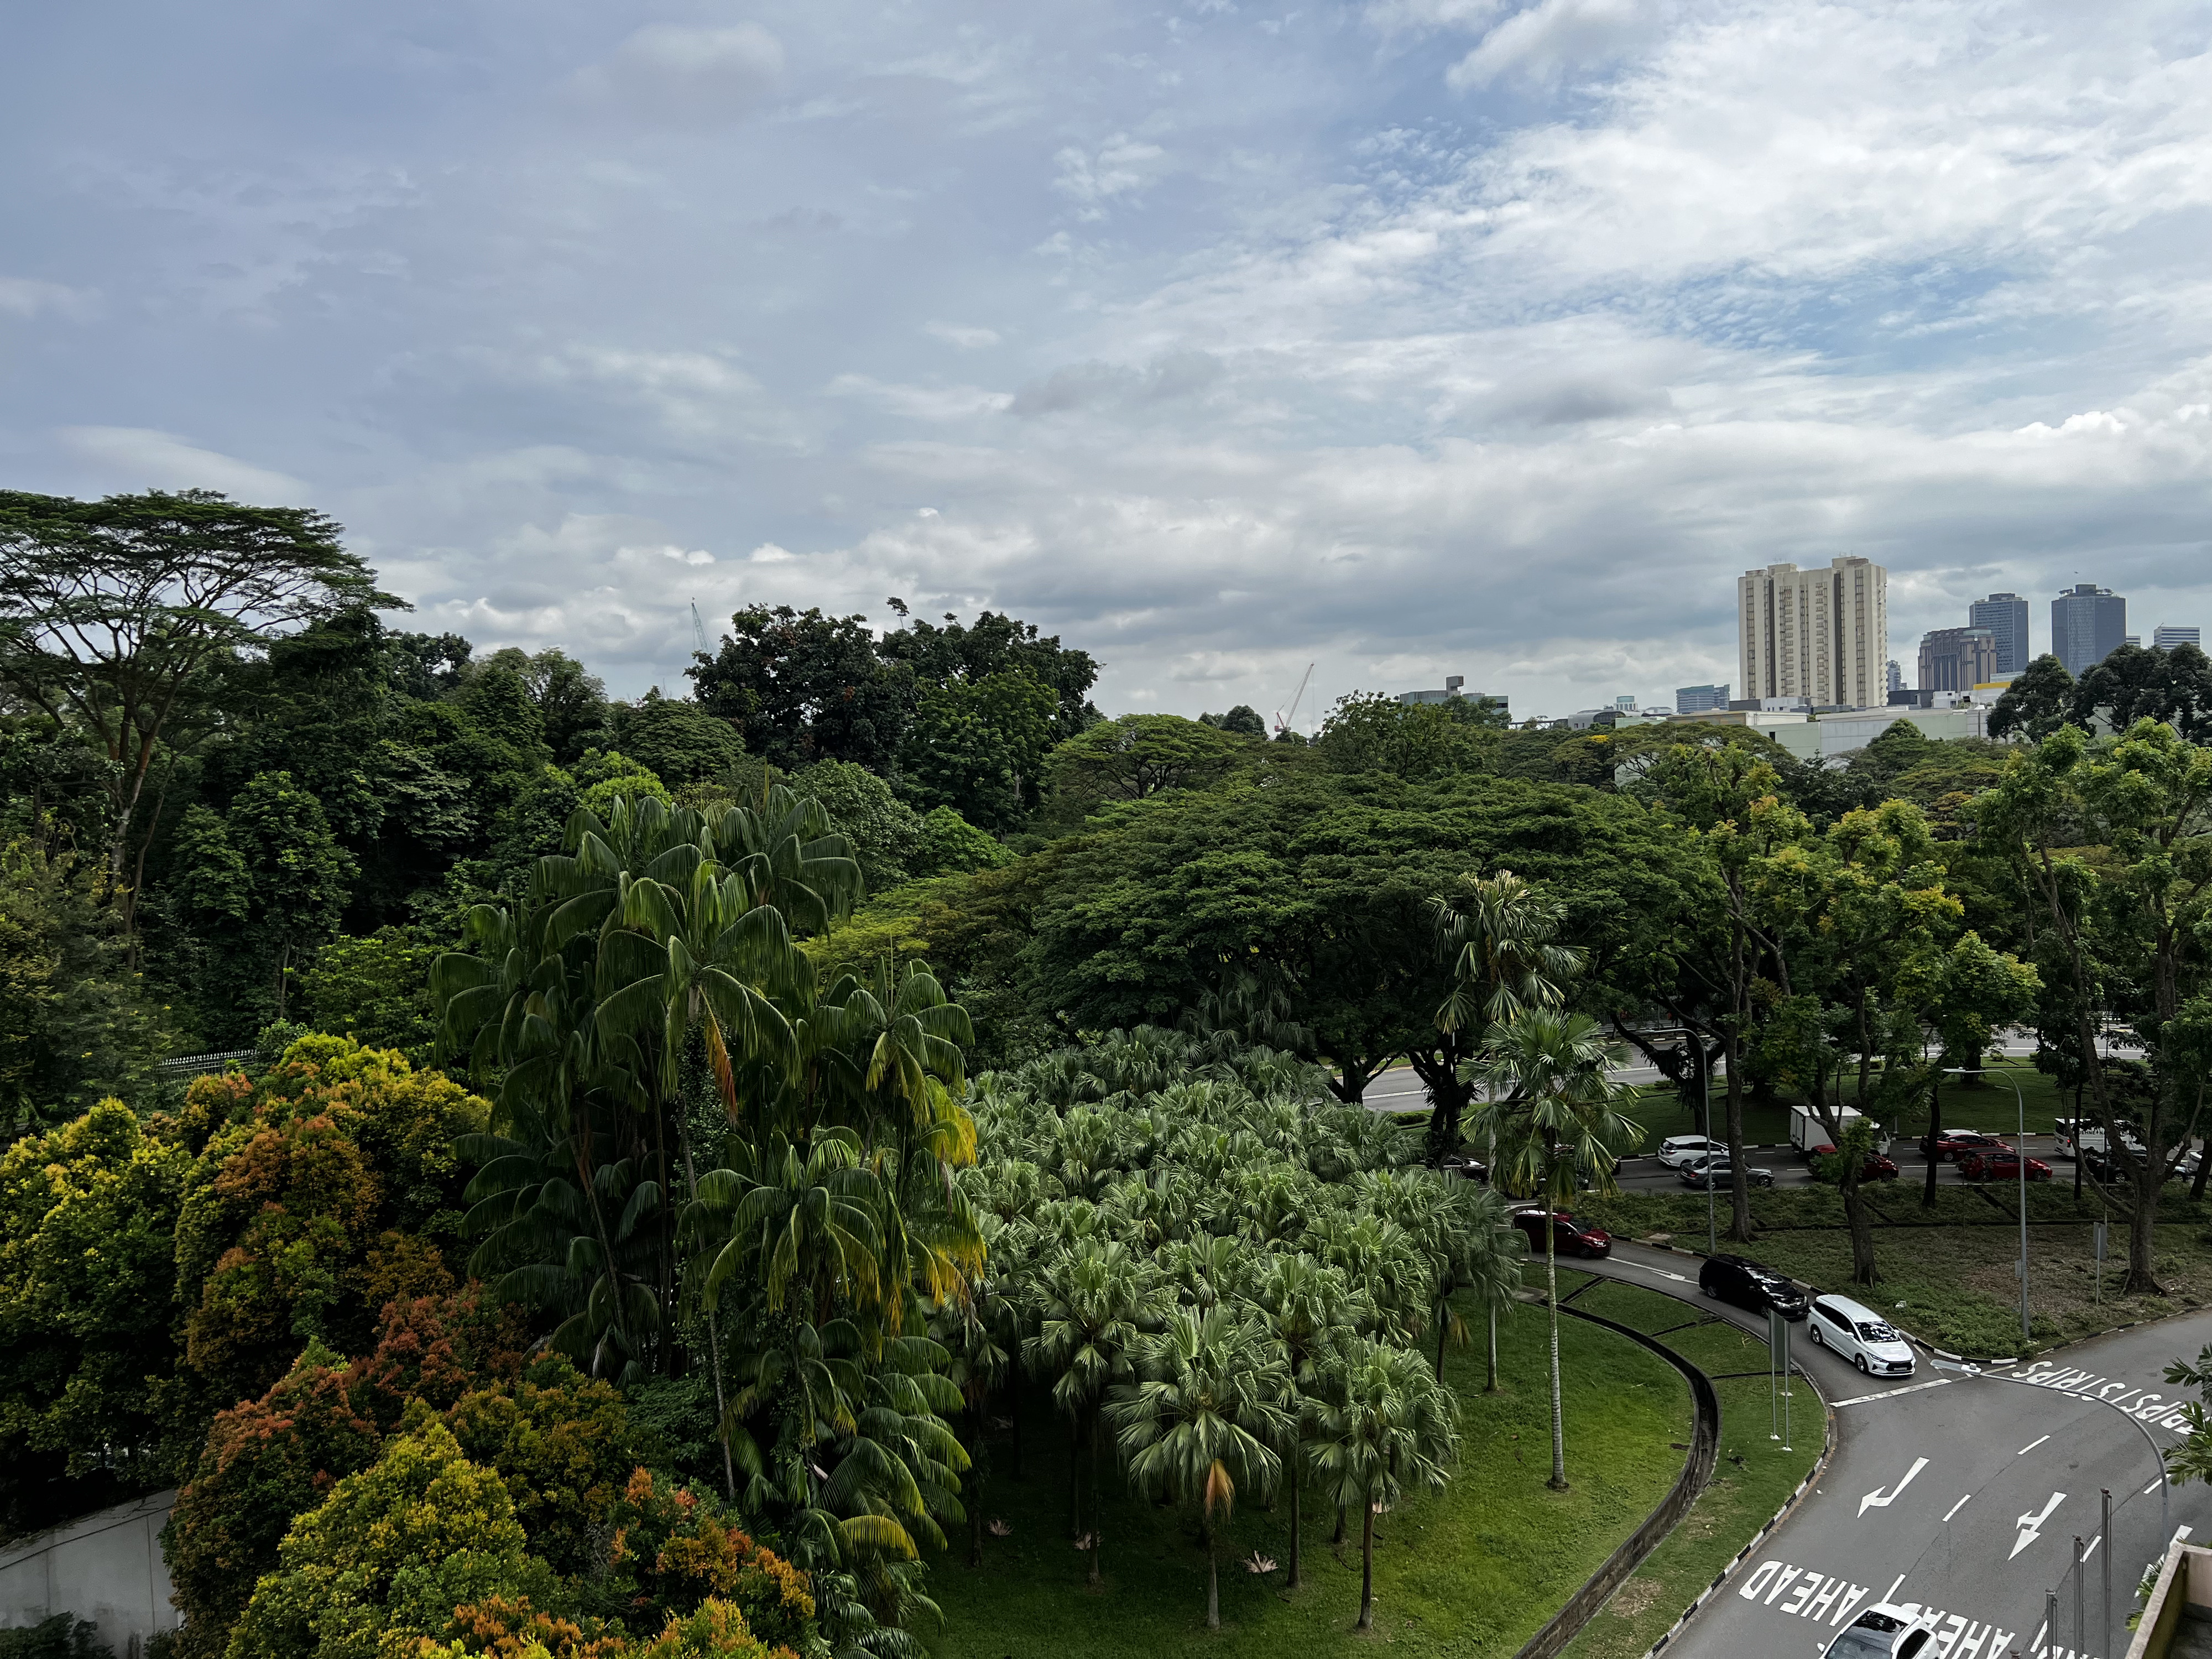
x,y
1095,1302
1383,1421
1498,932
1205,1419
1305,1307
1552,1121
1471,1242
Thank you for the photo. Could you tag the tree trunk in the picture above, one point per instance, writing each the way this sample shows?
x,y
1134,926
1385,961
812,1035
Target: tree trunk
x,y
1297,1536
1444,1319
1558,1420
2203,1169
1075,1479
1097,1520
1367,1563
1935,1128
1739,1182
1491,1386
1854,1212
1212,1580
1337,1537
1014,1418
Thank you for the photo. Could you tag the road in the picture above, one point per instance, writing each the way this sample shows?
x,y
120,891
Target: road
x,y
1962,1490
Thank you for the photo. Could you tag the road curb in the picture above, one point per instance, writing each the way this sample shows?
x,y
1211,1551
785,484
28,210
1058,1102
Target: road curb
x,y
1790,1504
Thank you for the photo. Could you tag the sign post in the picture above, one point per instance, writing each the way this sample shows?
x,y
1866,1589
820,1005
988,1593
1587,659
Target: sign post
x,y
1777,1366
2097,1235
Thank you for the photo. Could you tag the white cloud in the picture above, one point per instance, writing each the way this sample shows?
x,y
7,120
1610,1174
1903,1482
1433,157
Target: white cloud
x,y
27,297
1122,165
678,74
134,458
967,338
1554,36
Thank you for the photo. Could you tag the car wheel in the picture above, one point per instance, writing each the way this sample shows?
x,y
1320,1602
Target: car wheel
x,y
1859,1360
1815,1330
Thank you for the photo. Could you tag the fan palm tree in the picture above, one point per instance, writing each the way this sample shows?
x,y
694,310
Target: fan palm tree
x,y
1205,1419
1383,1421
1500,935
1470,1242
1095,1301
1552,1120
1305,1307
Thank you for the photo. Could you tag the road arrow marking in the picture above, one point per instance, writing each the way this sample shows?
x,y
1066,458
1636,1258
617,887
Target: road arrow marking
x,y
1877,1499
2031,1525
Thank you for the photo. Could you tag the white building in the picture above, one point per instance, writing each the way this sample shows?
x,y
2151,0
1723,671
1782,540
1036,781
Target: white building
x,y
1819,635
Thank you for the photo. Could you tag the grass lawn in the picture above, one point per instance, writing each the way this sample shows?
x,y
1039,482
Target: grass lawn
x,y
1947,1273
1753,1477
1473,1570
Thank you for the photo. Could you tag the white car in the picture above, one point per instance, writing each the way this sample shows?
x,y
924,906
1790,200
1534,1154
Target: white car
x,y
1676,1151
1884,1630
1858,1334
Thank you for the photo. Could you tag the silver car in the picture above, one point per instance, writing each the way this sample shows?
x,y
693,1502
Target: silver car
x,y
1884,1630
1856,1333
1676,1151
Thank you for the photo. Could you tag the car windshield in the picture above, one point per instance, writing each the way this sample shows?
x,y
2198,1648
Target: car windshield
x,y
1873,1330
1871,1635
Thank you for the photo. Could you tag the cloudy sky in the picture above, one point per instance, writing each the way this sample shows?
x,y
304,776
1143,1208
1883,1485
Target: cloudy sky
x,y
1405,337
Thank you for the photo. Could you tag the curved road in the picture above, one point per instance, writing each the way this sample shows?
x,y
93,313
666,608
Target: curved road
x,y
1962,1490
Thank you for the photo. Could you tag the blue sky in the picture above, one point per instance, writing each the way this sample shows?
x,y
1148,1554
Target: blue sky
x,y
1408,337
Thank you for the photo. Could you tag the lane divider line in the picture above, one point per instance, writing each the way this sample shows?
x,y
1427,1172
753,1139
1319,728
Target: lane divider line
x,y
1947,1514
1892,1394
2031,1445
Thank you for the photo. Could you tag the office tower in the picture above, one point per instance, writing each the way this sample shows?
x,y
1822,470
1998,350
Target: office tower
x,y
1699,699
2088,624
2004,615
2135,639
1819,635
1629,703
1957,658
2166,635
1893,677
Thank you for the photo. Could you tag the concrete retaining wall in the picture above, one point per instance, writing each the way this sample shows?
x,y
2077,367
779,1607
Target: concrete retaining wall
x,y
107,1568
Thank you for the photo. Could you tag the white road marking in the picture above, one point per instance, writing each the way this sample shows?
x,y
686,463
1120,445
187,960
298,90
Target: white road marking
x,y
2031,1445
1954,1509
1892,1394
1878,1499
2092,1550
2031,1524
1680,1279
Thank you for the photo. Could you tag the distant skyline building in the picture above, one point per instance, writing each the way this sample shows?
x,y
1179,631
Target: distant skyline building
x,y
1893,677
2088,624
2004,615
1821,636
1626,702
1957,658
1455,686
1699,699
2166,635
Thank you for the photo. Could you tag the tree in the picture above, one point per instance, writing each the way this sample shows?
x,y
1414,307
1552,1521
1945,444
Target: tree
x,y
1139,756
1370,732
1205,1419
87,1220
1094,1303
1306,1308
805,687
1551,1117
978,747
114,614
2131,684
996,645
2036,704
1243,721
1498,934
885,832
572,701
1384,1423
676,740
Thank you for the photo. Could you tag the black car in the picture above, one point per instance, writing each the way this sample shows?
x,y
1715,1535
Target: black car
x,y
1465,1168
1750,1285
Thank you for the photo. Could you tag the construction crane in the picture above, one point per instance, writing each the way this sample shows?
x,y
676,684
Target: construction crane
x,y
699,630
1282,723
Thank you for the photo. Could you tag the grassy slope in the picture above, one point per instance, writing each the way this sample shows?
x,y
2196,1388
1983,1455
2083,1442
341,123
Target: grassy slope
x,y
1474,1569
1754,1477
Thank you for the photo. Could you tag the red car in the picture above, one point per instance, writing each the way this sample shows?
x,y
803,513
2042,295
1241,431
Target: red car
x,y
1570,1237
2002,1166
1876,1167
1956,1145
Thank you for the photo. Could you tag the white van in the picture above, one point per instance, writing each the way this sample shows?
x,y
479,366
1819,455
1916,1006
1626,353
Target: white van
x,y
1858,1334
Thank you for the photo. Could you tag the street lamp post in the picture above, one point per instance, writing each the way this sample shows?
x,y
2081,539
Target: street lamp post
x,y
2021,1100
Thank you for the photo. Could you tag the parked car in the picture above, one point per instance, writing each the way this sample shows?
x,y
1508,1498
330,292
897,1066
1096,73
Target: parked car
x,y
1884,1630
2003,1166
1467,1169
1717,1171
1751,1284
1953,1145
1858,1334
1876,1167
1677,1150
1570,1237
2074,1136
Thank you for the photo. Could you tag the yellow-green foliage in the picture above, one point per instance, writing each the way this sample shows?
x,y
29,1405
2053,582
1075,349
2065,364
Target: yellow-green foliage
x,y
88,1212
383,1562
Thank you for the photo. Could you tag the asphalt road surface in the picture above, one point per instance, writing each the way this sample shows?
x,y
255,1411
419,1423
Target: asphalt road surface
x,y
1963,1490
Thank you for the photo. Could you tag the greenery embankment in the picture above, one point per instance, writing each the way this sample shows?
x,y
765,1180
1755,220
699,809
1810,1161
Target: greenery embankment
x,y
1755,1476
1476,1568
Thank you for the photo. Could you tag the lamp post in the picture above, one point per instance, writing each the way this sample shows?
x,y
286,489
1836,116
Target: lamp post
x,y
2021,1100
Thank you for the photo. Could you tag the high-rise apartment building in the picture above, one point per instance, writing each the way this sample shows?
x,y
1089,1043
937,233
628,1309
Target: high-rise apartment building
x,y
1699,699
1957,658
2166,635
2088,624
2004,615
1819,635
1893,677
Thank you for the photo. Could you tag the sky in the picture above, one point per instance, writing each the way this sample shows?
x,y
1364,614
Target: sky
x,y
1402,338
